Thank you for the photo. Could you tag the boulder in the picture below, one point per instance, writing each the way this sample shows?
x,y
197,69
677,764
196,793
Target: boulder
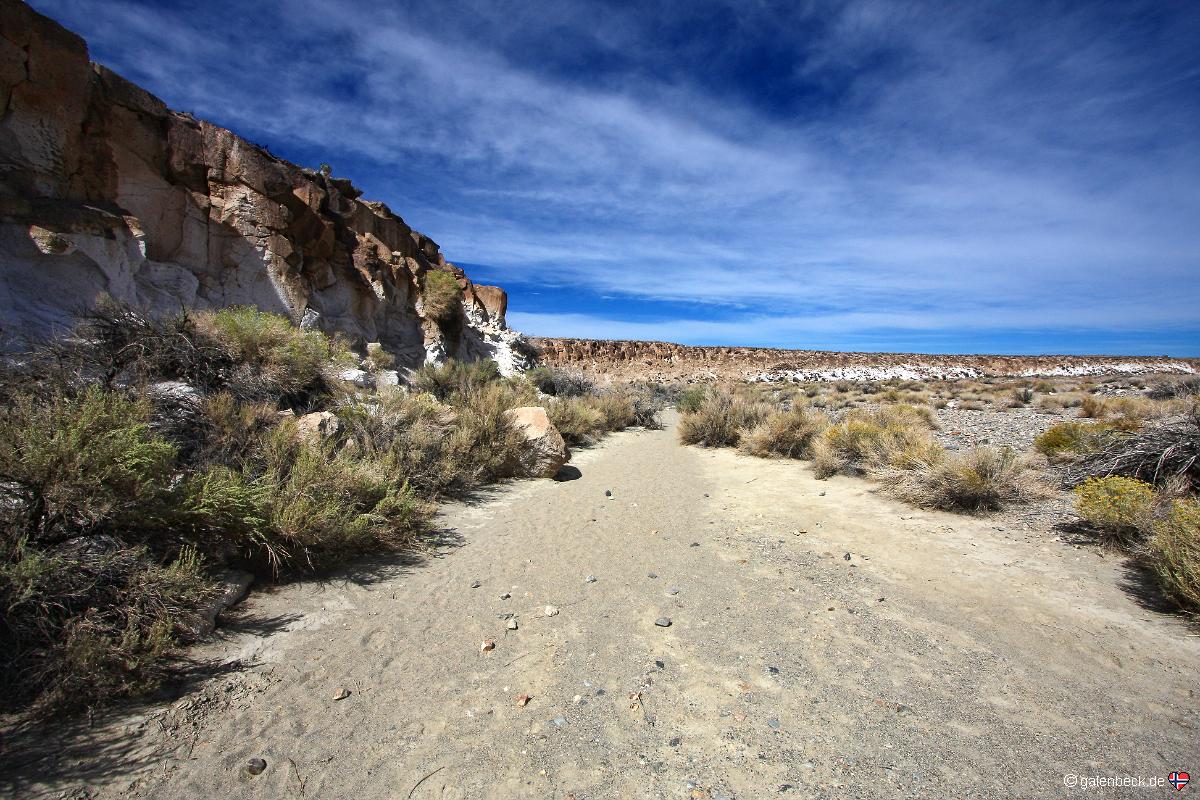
x,y
387,377
318,426
358,377
545,451
176,394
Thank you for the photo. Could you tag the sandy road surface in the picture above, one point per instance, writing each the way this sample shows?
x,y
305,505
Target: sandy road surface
x,y
947,656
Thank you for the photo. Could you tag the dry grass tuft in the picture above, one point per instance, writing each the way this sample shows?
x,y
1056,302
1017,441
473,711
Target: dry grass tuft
x,y
785,434
1070,439
984,479
721,419
871,439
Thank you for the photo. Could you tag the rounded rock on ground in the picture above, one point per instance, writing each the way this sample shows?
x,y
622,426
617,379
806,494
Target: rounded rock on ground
x,y
551,611
663,622
544,451
255,766
590,579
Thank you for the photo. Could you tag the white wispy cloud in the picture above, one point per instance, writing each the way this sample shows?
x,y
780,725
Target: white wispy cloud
x,y
1044,172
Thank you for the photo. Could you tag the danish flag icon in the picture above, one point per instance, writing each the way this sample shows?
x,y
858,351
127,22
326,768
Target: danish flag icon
x,y
1179,780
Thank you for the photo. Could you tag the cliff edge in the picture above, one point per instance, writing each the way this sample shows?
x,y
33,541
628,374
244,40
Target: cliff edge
x,y
103,189
667,362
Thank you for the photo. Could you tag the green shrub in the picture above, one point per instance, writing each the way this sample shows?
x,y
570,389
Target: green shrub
x,y
322,507
785,434
1175,552
542,379
691,399
272,358
455,380
230,432
440,296
226,511
1071,438
410,431
1116,506
378,359
88,621
76,464
440,449
482,442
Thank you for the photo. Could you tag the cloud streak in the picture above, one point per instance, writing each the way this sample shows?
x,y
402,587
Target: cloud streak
x,y
797,170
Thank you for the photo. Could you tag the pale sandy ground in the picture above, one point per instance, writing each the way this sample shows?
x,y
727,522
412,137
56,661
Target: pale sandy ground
x,y
948,657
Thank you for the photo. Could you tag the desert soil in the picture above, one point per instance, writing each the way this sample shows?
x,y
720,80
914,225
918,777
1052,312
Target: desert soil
x,y
824,641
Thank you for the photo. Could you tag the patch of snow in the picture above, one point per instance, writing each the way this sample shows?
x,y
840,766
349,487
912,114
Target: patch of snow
x,y
910,372
1109,368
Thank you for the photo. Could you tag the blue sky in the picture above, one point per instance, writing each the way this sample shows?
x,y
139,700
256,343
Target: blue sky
x,y
940,177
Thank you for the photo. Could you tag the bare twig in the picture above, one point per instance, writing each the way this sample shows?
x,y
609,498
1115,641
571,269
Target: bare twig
x,y
515,660
1152,455
301,780
427,777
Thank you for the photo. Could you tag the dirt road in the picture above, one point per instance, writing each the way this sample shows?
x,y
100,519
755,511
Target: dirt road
x,y
823,641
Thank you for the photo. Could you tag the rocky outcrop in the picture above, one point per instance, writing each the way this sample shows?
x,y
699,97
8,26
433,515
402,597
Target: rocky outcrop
x,y
106,190
318,426
545,451
663,361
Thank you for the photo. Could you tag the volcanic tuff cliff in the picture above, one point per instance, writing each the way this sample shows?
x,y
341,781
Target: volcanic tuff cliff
x,y
103,189
663,361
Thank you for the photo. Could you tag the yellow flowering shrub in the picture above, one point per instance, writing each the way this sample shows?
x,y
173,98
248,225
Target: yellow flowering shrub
x,y
1115,505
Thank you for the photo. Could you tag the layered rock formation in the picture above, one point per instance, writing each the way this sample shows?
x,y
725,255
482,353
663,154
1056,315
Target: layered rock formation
x,y
103,189
662,361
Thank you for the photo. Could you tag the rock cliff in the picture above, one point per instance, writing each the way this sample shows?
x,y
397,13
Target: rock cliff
x,y
663,361
103,189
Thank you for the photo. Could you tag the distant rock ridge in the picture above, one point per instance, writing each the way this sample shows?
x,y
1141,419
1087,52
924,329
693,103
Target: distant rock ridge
x,y
629,360
103,189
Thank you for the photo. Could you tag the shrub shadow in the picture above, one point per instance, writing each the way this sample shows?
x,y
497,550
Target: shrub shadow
x,y
61,756
1137,580
39,757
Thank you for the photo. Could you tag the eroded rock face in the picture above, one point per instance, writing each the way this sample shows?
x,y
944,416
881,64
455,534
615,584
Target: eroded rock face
x,y
107,190
663,361
545,451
